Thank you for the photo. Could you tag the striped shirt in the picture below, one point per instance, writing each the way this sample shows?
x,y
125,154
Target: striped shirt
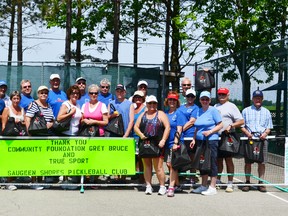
x,y
257,120
46,111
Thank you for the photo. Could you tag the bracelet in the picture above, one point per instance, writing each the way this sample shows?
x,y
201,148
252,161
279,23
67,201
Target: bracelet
x,y
210,131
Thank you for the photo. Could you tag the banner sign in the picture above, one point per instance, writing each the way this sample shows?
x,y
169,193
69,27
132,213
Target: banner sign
x,y
67,156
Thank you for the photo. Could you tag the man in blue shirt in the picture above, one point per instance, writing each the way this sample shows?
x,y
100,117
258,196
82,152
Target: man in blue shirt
x,y
105,96
55,96
258,122
81,82
26,98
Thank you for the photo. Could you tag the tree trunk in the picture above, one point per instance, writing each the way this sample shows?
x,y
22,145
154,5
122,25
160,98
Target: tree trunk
x,y
11,33
19,33
78,33
136,15
68,31
115,53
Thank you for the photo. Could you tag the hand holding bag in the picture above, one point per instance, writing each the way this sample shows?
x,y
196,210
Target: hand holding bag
x,y
38,125
202,157
116,125
14,129
230,142
180,158
64,125
254,150
148,148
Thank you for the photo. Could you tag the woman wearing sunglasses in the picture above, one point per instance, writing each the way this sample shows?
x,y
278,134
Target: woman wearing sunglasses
x,y
153,125
208,123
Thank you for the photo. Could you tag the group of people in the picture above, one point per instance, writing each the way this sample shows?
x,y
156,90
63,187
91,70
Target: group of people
x,y
142,119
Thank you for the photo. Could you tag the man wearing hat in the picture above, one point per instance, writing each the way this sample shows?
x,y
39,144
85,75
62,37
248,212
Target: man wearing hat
x,y
3,95
231,118
56,96
81,83
258,123
142,85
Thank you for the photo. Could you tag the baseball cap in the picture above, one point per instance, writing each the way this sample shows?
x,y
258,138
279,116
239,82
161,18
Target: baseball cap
x,y
2,82
54,76
142,82
223,91
173,96
257,93
205,94
139,93
121,87
80,78
40,88
151,98
191,91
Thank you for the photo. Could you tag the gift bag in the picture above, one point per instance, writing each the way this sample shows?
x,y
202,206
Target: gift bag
x,y
61,126
116,125
38,125
148,148
14,129
202,157
230,142
180,158
254,150
89,130
204,80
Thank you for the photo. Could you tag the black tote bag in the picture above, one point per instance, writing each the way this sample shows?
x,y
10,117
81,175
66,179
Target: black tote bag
x,y
204,80
115,125
254,150
89,130
38,125
180,158
61,126
14,129
148,148
202,157
230,142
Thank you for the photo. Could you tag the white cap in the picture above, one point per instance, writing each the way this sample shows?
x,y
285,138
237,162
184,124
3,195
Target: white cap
x,y
191,91
139,93
80,78
141,82
40,88
54,76
151,98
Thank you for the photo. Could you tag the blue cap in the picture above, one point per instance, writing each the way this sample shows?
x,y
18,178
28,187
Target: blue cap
x,y
2,82
205,94
257,93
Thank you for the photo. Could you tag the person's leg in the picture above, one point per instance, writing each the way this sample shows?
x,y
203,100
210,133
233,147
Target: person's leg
x,y
230,171
247,170
147,163
158,166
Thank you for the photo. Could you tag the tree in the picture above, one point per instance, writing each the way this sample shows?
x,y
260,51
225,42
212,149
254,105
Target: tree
x,y
238,27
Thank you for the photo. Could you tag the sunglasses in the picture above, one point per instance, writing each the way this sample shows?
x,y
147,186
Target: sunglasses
x,y
43,93
186,84
204,99
222,94
83,83
29,86
105,87
93,93
150,103
190,96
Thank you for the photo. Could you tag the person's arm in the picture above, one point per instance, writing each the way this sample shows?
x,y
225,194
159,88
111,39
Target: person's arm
x,y
189,124
165,121
137,127
246,132
177,139
218,127
193,141
63,112
5,115
131,121
236,124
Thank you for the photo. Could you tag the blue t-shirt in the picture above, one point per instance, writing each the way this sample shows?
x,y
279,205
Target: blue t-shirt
x,y
124,109
175,119
84,99
2,106
135,119
25,101
189,112
106,99
206,121
55,100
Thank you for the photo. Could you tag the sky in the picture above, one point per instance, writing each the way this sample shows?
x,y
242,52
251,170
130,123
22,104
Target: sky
x,y
50,45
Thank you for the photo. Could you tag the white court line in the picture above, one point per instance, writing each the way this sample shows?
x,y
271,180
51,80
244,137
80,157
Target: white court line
x,y
270,194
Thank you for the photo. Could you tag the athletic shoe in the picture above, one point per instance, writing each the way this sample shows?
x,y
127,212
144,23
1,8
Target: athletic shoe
x,y
37,187
149,190
262,189
199,190
210,191
230,188
170,192
178,189
162,190
11,187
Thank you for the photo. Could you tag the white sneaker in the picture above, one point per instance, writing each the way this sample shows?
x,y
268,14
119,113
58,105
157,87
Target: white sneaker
x,y
162,190
229,188
210,191
149,190
11,187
